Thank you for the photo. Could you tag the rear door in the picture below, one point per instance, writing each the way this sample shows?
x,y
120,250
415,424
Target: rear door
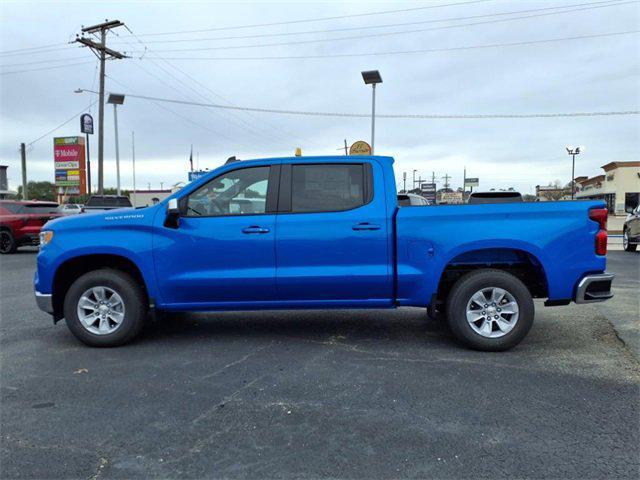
x,y
331,245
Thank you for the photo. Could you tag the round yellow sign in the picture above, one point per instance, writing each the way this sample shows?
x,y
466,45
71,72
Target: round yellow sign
x,y
360,148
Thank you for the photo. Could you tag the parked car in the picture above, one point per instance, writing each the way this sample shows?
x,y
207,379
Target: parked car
x,y
411,199
631,230
21,221
71,208
98,203
495,197
328,234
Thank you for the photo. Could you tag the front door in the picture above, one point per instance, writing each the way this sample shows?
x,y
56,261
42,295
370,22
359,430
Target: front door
x,y
332,243
223,251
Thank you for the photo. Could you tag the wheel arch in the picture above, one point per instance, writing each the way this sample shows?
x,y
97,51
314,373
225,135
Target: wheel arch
x,y
521,262
72,268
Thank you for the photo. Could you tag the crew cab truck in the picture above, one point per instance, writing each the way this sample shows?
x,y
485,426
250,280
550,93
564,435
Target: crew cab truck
x,y
320,233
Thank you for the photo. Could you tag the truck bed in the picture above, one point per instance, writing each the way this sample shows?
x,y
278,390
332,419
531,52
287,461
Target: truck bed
x,y
558,235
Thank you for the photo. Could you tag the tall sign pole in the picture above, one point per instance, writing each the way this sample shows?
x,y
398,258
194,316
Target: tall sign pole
x,y
101,50
23,158
86,127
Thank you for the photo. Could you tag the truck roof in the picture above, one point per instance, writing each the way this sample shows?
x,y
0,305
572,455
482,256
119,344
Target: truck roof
x,y
320,158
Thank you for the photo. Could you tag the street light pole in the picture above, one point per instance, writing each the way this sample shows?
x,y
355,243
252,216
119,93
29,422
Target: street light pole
x,y
115,121
573,152
116,99
373,117
372,78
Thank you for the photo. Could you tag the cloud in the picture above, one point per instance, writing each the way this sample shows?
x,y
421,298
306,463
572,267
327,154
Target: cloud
x,y
580,75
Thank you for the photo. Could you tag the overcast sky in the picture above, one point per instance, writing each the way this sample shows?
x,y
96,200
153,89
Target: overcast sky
x,y
580,75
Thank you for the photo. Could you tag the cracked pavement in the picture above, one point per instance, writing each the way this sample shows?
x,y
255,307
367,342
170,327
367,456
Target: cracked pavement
x,y
340,394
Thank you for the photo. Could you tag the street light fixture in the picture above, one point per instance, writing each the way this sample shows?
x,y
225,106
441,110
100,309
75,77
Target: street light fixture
x,y
116,99
372,77
573,151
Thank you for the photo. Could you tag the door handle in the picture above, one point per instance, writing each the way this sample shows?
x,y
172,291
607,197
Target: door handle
x,y
255,229
366,226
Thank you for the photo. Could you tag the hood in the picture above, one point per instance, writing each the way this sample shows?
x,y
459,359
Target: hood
x,y
119,217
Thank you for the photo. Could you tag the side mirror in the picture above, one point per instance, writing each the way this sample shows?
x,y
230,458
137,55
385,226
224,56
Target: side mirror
x,y
172,220
629,209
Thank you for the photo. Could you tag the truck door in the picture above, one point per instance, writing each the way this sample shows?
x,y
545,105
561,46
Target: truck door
x,y
223,250
332,241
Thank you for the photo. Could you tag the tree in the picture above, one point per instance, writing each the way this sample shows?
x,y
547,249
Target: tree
x,y
39,191
554,191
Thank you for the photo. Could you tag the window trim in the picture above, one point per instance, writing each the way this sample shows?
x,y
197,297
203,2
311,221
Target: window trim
x,y
285,194
270,202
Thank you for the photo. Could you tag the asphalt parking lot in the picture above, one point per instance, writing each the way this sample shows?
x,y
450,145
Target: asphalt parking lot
x,y
350,394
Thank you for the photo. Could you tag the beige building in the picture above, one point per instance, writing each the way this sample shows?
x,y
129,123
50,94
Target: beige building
x,y
619,186
147,198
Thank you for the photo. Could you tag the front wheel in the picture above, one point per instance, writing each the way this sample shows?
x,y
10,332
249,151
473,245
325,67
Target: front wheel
x,y
7,242
490,310
625,242
105,308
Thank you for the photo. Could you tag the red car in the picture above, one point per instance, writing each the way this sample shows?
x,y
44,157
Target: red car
x,y
20,222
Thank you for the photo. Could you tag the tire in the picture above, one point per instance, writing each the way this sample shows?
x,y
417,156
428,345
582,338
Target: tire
x,y
128,304
493,335
628,247
7,242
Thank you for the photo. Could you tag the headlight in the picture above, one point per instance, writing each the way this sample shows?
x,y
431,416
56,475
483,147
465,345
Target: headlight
x,y
45,237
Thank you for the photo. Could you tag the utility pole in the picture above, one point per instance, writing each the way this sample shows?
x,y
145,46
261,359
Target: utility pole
x,y
404,181
23,155
346,149
101,51
446,181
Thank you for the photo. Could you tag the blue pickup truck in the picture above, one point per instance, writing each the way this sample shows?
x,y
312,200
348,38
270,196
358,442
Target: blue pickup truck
x,y
318,233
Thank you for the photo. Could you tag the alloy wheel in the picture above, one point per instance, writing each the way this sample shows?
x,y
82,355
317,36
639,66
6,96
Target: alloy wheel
x,y
492,312
100,310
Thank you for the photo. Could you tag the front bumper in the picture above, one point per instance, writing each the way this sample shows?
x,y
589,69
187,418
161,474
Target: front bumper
x,y
594,288
44,302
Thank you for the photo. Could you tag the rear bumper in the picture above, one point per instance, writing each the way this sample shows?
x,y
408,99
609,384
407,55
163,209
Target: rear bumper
x,y
594,288
44,302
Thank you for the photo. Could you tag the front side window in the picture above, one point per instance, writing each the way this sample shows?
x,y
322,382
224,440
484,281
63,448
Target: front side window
x,y
326,188
239,192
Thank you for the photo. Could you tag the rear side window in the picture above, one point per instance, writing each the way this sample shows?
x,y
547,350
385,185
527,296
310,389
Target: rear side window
x,y
12,207
327,188
39,209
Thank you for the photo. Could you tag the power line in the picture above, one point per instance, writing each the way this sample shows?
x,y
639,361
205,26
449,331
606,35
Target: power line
x,y
389,25
387,34
46,68
56,60
19,50
407,52
317,19
62,124
201,85
35,52
390,116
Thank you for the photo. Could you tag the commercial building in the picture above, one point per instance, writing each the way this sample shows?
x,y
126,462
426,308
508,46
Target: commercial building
x,y
619,186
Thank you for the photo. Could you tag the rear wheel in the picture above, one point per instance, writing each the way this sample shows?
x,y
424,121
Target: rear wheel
x,y
490,310
7,242
625,242
105,308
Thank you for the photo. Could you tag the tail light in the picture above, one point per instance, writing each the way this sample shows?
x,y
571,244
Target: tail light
x,y
600,215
